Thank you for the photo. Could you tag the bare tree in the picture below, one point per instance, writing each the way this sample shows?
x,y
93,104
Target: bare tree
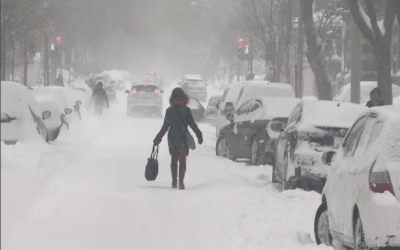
x,y
380,38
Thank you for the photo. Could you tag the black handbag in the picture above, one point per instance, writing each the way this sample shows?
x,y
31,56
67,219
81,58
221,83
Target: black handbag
x,y
151,171
189,138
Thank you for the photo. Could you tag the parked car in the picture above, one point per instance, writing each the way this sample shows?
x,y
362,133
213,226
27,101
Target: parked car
x,y
313,128
66,98
361,199
194,86
365,89
211,113
58,118
145,97
197,109
253,128
21,117
237,94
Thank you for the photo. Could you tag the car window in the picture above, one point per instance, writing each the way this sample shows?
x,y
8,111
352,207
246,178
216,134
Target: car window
x,y
239,96
365,137
244,109
295,115
254,106
145,88
350,142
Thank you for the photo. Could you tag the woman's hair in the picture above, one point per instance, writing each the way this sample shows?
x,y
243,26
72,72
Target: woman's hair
x,y
375,90
100,84
178,93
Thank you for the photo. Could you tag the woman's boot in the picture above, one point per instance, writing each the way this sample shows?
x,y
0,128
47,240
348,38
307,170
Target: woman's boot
x,y
182,170
174,173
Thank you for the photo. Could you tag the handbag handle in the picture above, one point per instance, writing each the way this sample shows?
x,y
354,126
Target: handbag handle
x,y
154,152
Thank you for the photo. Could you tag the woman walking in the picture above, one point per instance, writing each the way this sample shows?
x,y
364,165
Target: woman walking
x,y
177,118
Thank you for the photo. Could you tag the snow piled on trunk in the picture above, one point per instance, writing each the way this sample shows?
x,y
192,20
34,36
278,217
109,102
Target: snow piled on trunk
x,y
88,191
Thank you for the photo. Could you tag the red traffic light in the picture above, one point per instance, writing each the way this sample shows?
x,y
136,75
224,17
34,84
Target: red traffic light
x,y
241,43
58,40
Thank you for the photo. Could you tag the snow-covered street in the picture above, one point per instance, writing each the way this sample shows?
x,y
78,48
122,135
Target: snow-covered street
x,y
88,191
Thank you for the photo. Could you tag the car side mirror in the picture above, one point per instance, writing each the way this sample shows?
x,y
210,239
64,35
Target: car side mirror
x,y
127,91
67,111
162,91
78,102
46,115
327,157
277,127
230,117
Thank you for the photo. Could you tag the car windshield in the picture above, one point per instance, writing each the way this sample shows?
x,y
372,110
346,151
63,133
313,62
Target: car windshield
x,y
194,83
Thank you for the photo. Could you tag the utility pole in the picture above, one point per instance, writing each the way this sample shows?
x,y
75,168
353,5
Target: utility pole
x,y
26,58
299,57
356,51
3,41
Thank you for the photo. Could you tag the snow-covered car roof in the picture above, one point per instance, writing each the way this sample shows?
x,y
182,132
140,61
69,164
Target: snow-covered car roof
x,y
330,114
278,106
365,89
193,77
59,94
266,89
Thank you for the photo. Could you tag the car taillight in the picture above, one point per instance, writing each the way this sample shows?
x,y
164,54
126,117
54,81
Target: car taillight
x,y
133,93
379,179
158,94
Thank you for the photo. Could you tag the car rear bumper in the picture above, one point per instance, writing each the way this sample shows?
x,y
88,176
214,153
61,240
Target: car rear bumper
x,y
380,216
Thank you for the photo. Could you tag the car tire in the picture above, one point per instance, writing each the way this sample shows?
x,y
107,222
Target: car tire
x,y
286,184
220,148
321,226
256,158
359,236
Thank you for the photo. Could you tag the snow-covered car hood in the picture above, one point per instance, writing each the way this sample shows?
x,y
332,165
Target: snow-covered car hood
x,y
330,114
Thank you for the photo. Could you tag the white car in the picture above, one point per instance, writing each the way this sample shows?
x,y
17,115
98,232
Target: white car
x,y
21,116
365,89
361,199
237,94
313,128
57,120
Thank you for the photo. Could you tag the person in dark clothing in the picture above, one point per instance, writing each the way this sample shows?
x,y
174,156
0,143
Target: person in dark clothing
x,y
375,96
177,117
100,98
60,80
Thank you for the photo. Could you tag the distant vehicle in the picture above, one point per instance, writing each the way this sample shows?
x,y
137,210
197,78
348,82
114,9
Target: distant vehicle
x,y
236,94
197,109
21,116
365,89
194,86
253,129
154,77
211,113
109,86
57,120
313,128
145,97
360,205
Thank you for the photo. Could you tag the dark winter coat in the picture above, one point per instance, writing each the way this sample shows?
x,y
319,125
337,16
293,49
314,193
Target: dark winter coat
x,y
175,117
100,97
370,104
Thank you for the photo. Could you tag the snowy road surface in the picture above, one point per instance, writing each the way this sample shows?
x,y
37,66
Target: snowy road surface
x,y
88,191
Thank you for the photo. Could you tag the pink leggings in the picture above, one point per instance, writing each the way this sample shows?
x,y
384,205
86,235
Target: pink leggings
x,y
181,158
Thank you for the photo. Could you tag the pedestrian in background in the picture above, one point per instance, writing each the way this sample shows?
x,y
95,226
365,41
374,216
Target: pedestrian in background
x,y
100,99
376,98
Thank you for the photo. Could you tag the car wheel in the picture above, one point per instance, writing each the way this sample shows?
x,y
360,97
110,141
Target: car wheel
x,y
359,236
286,184
321,226
256,159
220,148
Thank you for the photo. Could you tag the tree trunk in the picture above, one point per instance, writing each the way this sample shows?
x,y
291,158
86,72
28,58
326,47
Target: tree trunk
x,y
314,53
26,58
383,64
3,48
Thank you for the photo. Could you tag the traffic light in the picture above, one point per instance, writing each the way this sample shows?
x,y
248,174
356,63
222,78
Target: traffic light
x,y
59,44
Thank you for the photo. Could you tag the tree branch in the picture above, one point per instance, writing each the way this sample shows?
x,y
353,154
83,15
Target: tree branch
x,y
355,9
